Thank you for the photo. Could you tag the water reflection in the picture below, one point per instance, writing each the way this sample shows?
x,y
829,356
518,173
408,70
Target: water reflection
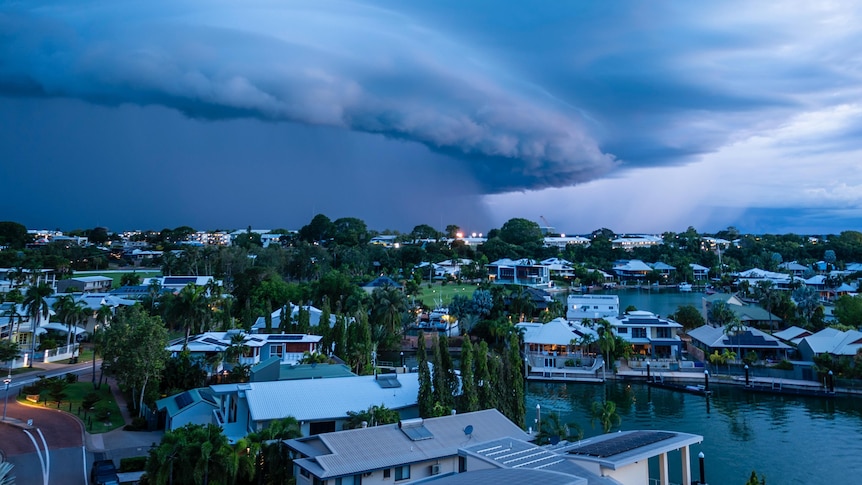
x,y
742,431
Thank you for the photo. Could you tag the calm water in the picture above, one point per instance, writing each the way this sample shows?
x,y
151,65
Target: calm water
x,y
790,440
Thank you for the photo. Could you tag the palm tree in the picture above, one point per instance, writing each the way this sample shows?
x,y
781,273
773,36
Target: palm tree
x,y
36,305
607,341
734,328
14,317
807,301
191,309
765,292
605,413
104,314
552,431
70,311
236,348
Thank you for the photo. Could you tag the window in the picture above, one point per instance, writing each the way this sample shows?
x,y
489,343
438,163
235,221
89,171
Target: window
x,y
387,473
402,472
638,333
462,464
663,333
276,351
357,479
622,330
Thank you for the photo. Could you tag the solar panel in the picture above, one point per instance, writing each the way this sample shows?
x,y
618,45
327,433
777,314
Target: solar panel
x,y
388,381
417,433
282,338
748,339
183,399
621,444
213,341
179,280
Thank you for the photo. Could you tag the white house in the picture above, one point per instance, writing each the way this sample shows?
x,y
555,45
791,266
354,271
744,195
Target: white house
x,y
649,334
593,307
289,348
519,272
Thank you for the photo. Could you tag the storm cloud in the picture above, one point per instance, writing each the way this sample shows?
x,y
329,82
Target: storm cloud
x,y
331,63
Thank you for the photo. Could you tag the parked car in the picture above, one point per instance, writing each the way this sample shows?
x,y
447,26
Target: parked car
x,y
104,473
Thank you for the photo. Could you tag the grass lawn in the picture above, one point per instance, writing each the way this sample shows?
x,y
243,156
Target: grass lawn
x,y
444,293
95,421
21,370
145,273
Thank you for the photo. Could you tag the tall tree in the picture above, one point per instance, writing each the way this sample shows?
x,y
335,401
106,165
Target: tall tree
x,y
134,351
607,341
469,394
426,390
194,454
36,303
483,377
514,371
766,292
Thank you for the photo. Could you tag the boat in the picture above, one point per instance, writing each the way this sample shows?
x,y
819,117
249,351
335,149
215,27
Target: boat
x,y
685,287
698,389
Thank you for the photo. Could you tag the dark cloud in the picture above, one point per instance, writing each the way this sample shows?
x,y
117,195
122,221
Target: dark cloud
x,y
327,63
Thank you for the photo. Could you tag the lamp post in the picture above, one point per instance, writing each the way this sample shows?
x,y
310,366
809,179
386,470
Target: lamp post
x,y
702,480
6,381
402,358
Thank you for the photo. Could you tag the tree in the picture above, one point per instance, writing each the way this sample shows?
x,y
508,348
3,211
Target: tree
x,y
720,314
267,457
191,309
319,229
193,454
605,413
523,233
607,342
373,416
807,301
848,310
9,351
426,390
469,394
13,235
688,316
513,367
70,311
552,431
734,328
36,303
134,351
483,377
130,279
766,292
753,480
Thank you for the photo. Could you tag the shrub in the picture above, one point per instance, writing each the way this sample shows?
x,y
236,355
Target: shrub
x,y
138,424
102,413
784,365
71,378
133,464
90,400
32,389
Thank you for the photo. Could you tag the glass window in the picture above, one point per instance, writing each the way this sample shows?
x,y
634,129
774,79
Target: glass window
x,y
387,473
462,464
402,472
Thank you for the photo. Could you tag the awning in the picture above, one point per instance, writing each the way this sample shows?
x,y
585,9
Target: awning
x,y
59,327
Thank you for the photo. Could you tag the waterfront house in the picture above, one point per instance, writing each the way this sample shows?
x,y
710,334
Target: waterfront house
x,y
559,268
177,283
747,313
794,269
405,452
832,342
592,307
707,339
700,273
664,269
649,334
519,272
633,269
555,344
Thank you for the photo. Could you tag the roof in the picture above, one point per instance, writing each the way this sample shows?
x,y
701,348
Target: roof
x,y
616,450
90,279
751,338
556,332
178,402
361,450
313,371
514,476
322,399
382,281
834,341
792,334
219,341
633,265
642,318
658,266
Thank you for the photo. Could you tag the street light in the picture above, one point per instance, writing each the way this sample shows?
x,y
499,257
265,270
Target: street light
x,y
6,381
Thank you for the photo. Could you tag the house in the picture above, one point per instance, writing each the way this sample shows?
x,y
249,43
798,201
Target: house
x,y
794,269
634,269
649,334
622,458
747,313
314,315
288,348
194,406
141,257
709,339
556,345
792,335
664,269
319,405
85,284
754,275
380,282
563,241
559,268
406,452
272,369
177,283
830,341
630,242
385,240
524,272
700,273
593,307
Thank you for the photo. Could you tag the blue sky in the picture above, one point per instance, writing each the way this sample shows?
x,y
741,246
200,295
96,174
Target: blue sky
x,y
640,117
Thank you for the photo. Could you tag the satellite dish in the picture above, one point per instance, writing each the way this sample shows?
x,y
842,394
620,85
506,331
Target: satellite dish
x,y
468,430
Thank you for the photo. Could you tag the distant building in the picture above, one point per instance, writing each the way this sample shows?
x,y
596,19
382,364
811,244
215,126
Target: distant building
x,y
592,307
85,284
519,272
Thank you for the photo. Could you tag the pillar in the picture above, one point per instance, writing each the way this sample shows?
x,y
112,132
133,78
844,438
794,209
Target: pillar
x,y
662,470
686,465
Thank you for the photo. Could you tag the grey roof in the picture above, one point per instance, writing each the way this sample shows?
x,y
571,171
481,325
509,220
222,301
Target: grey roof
x,y
367,449
513,476
320,399
714,337
627,447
